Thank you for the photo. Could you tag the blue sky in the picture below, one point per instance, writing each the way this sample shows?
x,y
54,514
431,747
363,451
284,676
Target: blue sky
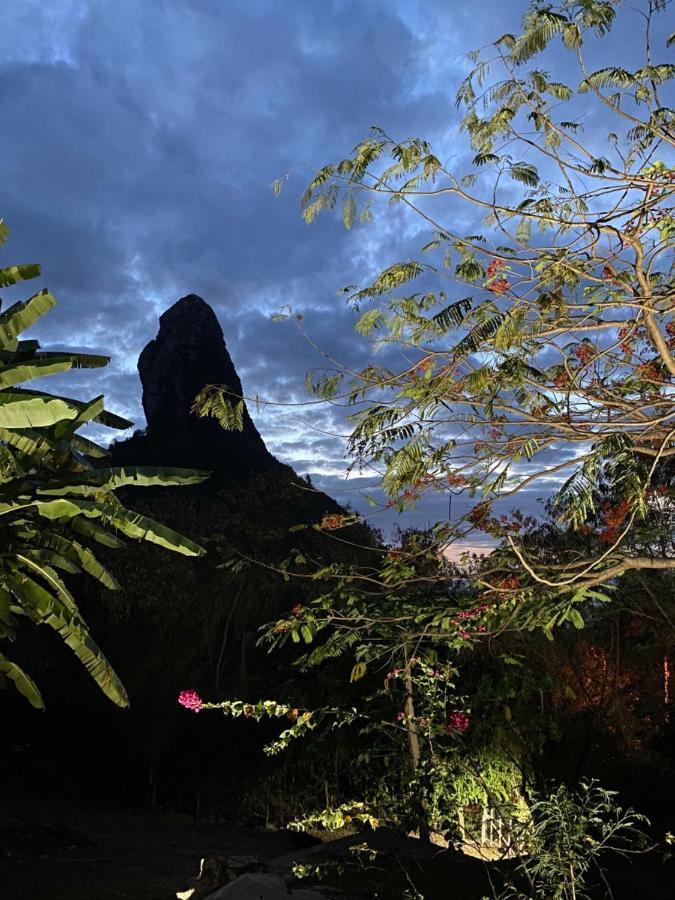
x,y
141,141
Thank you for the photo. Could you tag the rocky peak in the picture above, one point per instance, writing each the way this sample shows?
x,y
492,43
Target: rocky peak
x,y
188,353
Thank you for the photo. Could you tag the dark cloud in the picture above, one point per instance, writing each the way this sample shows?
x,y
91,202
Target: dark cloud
x,y
140,144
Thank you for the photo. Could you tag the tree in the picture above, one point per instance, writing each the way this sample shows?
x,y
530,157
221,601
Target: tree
x,y
560,358
55,494
559,361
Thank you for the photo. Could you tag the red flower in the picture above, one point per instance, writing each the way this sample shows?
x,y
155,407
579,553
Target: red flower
x,y
456,480
584,352
614,517
494,266
649,372
511,583
499,286
330,521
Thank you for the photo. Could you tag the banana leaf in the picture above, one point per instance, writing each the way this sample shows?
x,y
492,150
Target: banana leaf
x,y
80,556
79,360
47,556
110,420
19,410
137,526
95,532
53,581
33,443
44,608
21,272
39,368
86,447
24,683
130,523
22,315
90,410
97,480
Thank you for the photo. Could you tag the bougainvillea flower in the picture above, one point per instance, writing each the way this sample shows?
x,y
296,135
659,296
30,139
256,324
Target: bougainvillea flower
x,y
457,721
190,700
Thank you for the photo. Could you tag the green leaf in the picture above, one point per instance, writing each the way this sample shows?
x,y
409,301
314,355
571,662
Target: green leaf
x,y
453,315
524,230
348,211
31,442
39,368
78,553
574,616
483,159
132,524
22,315
370,321
358,671
92,530
93,482
17,410
525,173
23,682
611,76
51,578
14,274
45,608
84,411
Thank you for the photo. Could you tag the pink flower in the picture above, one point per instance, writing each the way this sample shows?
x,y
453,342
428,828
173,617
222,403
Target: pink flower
x,y
190,700
457,721
400,717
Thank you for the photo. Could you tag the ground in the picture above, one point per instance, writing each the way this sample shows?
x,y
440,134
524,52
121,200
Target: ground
x,y
51,852
90,854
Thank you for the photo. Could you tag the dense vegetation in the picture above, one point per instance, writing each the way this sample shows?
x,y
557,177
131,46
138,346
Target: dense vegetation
x,y
53,495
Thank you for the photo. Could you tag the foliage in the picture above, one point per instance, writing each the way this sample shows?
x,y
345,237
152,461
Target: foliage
x,y
333,819
554,353
568,833
55,496
422,751
212,401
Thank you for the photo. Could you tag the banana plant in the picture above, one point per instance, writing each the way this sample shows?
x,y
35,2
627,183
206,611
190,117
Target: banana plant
x,y
56,496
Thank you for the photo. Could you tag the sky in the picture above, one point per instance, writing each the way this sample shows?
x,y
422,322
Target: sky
x,y
141,141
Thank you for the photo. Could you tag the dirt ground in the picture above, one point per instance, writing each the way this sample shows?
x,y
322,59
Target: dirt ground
x,y
79,854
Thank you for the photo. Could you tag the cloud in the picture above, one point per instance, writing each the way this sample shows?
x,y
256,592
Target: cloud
x,y
141,141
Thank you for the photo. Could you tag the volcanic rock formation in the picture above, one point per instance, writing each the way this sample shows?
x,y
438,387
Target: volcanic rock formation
x,y
189,353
